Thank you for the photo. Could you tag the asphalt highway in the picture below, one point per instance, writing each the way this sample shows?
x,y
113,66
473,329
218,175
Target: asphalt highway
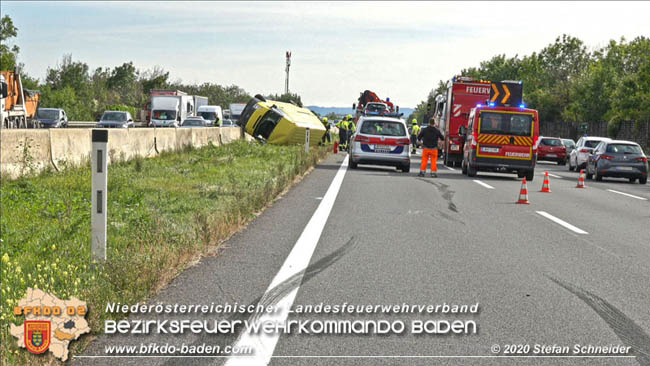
x,y
572,268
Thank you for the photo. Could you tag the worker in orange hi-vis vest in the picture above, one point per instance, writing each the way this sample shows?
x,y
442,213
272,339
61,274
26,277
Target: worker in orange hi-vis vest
x,y
429,137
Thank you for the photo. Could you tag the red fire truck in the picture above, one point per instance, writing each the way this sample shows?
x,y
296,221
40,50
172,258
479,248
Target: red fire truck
x,y
501,135
452,111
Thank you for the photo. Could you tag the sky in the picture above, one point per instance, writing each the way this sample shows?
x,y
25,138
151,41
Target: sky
x,y
339,49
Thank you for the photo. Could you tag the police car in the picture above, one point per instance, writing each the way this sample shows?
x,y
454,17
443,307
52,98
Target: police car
x,y
380,140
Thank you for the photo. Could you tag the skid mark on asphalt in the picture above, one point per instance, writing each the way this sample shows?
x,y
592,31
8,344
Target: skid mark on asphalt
x,y
268,299
625,328
447,194
283,288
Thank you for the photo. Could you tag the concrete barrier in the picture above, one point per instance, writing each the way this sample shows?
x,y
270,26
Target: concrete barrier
x,y
24,151
141,141
69,147
165,139
118,145
183,137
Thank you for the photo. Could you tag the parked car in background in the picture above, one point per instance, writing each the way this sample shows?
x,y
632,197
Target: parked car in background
x,y
52,117
116,119
195,122
381,141
579,156
551,149
228,123
620,159
570,146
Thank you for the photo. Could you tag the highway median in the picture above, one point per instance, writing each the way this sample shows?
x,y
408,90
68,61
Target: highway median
x,y
164,213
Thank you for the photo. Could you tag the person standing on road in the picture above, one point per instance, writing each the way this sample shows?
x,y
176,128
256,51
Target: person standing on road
x,y
415,131
341,126
326,135
429,137
352,128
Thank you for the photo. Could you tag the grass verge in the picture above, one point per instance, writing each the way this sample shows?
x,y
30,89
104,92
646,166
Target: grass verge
x,y
163,213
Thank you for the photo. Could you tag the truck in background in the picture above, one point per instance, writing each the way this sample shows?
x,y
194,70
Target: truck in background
x,y
19,105
171,110
236,110
210,113
463,94
199,102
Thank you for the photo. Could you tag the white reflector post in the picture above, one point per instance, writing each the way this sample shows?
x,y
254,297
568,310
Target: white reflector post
x,y
99,167
307,139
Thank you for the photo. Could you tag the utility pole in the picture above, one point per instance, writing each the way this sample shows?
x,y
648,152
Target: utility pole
x,y
286,82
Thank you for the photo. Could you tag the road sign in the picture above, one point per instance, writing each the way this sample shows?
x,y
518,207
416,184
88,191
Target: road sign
x,y
506,93
584,127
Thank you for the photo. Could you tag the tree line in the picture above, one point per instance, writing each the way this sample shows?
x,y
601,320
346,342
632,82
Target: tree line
x,y
85,94
567,82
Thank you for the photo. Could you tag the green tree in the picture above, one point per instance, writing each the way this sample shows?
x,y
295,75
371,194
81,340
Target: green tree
x,y
287,98
7,55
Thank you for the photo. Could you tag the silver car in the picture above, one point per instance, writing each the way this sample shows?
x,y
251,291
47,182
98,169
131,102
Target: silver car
x,y
380,141
620,159
192,122
116,119
569,144
579,156
52,117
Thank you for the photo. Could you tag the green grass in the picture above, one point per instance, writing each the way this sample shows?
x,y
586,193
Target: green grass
x,y
163,212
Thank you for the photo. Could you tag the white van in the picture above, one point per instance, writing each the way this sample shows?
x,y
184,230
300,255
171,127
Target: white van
x,y
211,113
169,111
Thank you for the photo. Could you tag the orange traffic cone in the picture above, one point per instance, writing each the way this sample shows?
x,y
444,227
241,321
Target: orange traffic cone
x,y
523,193
546,187
581,179
336,147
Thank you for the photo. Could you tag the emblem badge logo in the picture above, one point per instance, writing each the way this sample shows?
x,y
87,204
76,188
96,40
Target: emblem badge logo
x,y
37,335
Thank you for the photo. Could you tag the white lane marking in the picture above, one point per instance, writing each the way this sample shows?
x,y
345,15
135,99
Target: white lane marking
x,y
263,344
627,194
318,198
450,168
562,222
483,184
554,176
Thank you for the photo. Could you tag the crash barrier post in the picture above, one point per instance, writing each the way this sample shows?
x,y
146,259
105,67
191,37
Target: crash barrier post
x,y
307,139
99,192
546,187
523,193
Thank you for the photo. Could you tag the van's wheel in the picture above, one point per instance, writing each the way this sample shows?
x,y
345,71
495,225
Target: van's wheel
x,y
471,171
521,174
643,180
632,180
530,175
406,168
353,165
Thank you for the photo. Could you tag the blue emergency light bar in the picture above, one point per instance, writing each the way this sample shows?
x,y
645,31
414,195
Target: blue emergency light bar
x,y
492,104
522,105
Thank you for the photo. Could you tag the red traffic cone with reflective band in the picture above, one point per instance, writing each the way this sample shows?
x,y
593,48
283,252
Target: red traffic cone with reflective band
x,y
581,179
546,187
523,194
336,147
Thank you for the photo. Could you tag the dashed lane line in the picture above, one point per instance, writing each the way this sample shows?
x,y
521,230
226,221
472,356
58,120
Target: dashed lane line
x,y
562,222
483,184
627,194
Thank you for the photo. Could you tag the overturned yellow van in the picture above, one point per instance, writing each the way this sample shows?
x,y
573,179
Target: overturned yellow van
x,y
280,123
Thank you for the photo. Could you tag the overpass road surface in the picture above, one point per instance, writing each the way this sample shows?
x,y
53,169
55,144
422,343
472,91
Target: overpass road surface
x,y
569,269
